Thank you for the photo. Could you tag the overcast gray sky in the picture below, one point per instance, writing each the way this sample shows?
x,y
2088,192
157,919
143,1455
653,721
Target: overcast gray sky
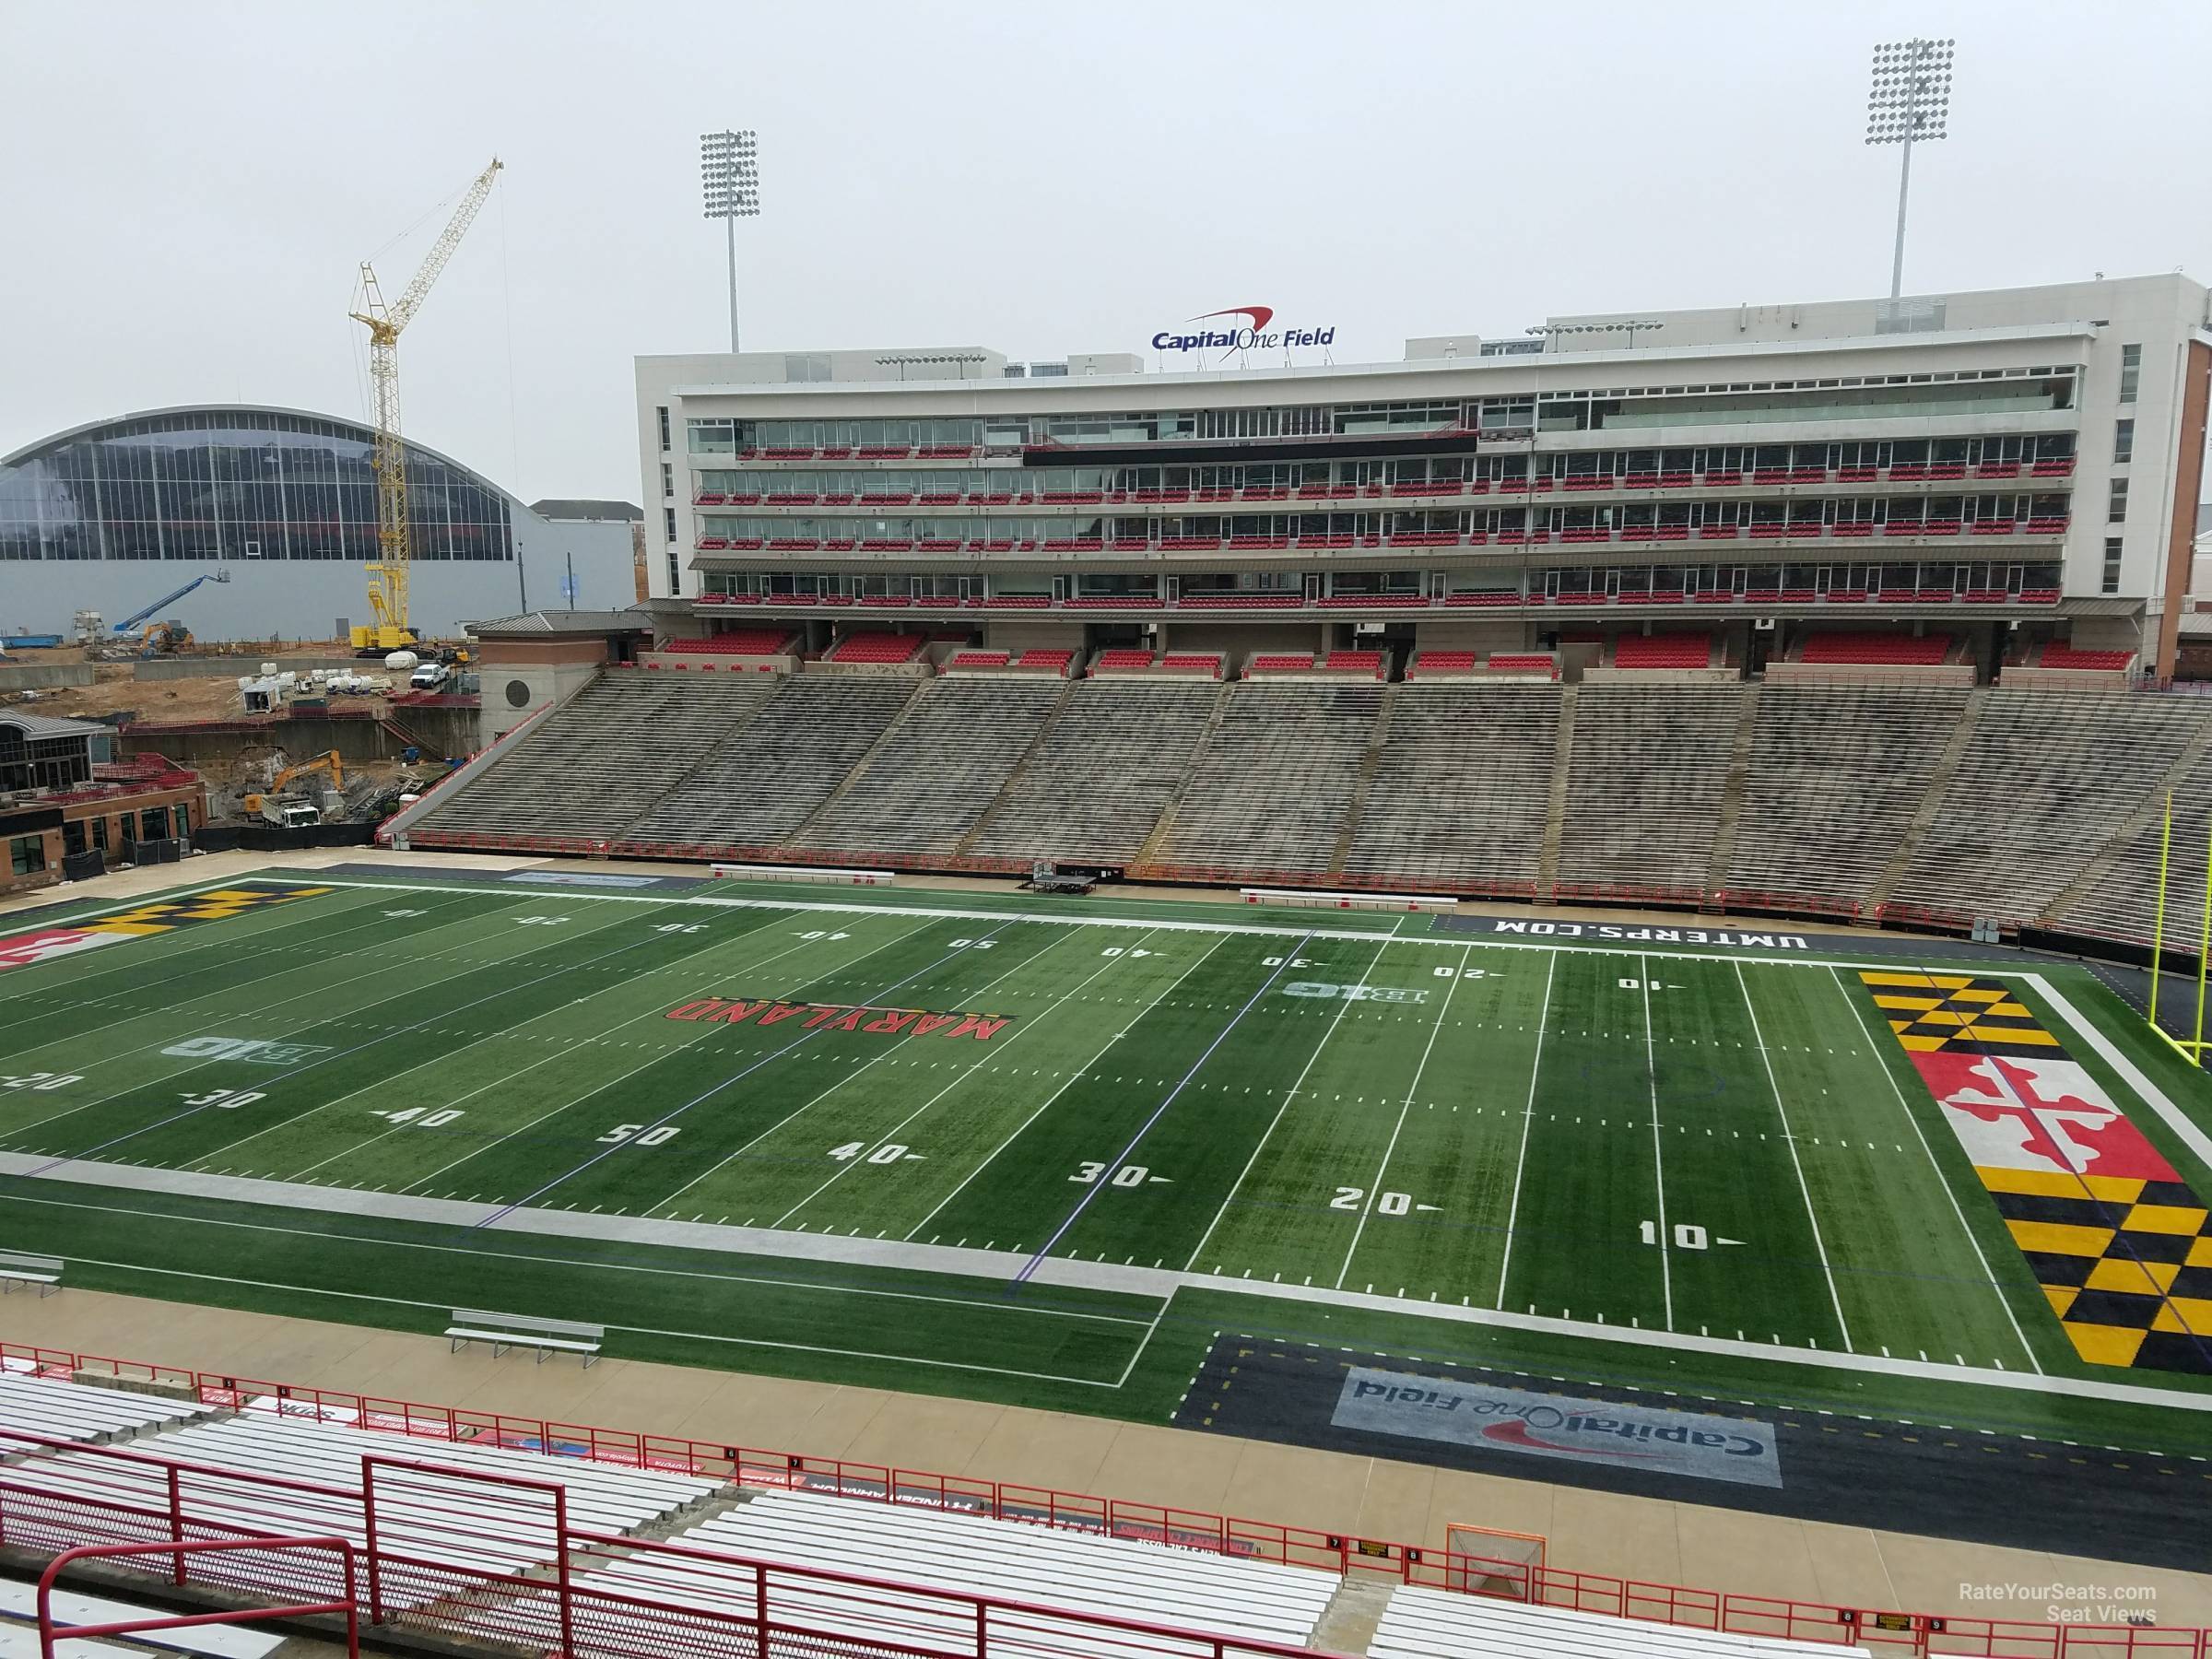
x,y
187,191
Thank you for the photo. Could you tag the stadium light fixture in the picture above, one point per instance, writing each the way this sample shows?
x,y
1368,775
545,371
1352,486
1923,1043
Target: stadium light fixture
x,y
1630,326
729,171
1908,102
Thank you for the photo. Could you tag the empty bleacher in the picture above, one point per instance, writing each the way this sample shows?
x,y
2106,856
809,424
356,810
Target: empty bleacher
x,y
2066,656
269,1473
1107,767
58,1410
772,774
1836,775
925,789
1460,791
738,641
2043,783
1876,650
1646,776
1432,664
1279,662
968,1555
875,646
1123,662
1274,785
592,766
1662,651
2122,901
1422,1623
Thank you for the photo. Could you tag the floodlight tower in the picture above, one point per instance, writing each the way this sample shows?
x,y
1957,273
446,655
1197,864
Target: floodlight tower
x,y
730,177
1909,101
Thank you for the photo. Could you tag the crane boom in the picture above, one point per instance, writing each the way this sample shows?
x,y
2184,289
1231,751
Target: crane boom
x,y
388,576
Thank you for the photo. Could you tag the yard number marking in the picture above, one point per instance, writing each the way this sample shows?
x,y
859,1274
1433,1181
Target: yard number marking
x,y
41,1080
890,1152
225,1099
1386,1203
422,1117
1128,1175
638,1134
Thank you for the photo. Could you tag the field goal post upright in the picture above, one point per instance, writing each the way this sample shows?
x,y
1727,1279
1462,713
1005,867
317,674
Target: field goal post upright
x,y
1494,1560
2193,1047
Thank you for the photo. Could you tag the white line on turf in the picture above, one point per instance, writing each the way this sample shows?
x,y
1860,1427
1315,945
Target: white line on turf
x,y
1382,1169
2196,1139
689,960
1090,1193
1881,1060
1789,1140
1604,945
674,1112
890,1053
321,988
1528,1116
1027,1026
385,1036
1149,1283
1650,1052
396,1081
1073,1078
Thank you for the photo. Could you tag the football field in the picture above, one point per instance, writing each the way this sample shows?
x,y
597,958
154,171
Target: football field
x,y
948,1141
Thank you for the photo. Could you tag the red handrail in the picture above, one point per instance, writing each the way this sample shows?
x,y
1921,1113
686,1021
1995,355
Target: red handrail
x,y
348,1608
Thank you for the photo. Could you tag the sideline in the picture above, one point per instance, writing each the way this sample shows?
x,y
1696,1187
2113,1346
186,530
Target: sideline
x,y
1003,1266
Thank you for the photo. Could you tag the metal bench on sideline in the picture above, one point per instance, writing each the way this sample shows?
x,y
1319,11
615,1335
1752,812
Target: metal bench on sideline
x,y
504,1330
16,1268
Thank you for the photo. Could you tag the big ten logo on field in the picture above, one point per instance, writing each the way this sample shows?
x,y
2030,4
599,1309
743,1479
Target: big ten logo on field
x,y
258,1049
1322,991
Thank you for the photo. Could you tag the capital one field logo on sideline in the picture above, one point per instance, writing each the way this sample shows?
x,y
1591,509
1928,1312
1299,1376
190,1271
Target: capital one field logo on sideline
x,y
1252,335
1591,1432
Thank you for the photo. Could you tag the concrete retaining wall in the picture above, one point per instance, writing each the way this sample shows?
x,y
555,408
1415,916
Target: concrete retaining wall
x,y
36,676
175,668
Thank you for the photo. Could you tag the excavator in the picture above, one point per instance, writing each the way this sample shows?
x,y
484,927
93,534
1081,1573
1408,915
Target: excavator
x,y
296,814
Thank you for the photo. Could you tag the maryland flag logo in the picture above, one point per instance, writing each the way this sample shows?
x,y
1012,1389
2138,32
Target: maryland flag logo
x,y
164,915
2115,1238
161,916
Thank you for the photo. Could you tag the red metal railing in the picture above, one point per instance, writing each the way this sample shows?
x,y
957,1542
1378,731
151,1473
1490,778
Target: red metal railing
x,y
346,1606
584,1614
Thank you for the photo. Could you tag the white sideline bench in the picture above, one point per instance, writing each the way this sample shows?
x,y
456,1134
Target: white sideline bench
x,y
504,1330
1301,898
16,1268
815,874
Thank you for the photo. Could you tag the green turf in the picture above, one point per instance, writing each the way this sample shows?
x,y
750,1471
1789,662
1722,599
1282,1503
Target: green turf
x,y
1701,1143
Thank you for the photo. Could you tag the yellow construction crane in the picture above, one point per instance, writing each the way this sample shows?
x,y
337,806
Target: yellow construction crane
x,y
388,576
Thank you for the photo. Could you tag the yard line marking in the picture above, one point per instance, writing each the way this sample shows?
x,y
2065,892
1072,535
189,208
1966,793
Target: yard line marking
x,y
192,942
884,1139
1090,1193
320,989
1073,1078
1651,1051
1881,1060
1790,1138
445,1057
308,1065
676,1111
1528,1116
1150,1283
563,1053
2195,1138
1382,1169
1260,1146
889,1055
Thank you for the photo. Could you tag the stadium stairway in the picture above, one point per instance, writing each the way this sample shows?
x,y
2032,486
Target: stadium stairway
x,y
1555,801
1732,792
1931,798
1377,736
1151,851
